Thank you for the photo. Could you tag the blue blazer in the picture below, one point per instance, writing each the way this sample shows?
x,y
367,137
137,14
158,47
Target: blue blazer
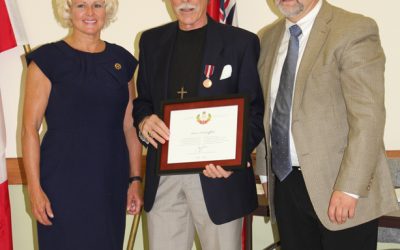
x,y
226,199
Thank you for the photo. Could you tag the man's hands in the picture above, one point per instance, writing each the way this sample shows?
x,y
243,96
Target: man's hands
x,y
216,171
154,130
341,207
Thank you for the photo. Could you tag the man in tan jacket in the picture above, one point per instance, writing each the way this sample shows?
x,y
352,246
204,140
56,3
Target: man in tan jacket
x,y
322,71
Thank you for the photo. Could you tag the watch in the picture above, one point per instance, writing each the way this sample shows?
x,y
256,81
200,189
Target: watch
x,y
135,178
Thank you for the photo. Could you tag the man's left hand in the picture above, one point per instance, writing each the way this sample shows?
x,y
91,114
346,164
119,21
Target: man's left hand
x,y
341,207
216,171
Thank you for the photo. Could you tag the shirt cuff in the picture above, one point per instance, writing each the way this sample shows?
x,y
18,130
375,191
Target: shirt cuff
x,y
352,195
263,178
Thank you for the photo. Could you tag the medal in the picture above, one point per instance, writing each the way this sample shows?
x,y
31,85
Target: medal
x,y
208,72
207,83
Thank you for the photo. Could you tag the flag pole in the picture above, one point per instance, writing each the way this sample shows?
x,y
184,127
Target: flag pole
x,y
27,48
135,224
134,229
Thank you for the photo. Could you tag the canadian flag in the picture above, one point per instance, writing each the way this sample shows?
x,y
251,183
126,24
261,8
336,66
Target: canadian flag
x,y
12,31
11,35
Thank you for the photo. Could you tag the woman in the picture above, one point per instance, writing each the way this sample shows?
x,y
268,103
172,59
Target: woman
x,y
78,179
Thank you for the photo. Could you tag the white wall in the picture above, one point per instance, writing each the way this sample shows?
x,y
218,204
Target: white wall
x,y
137,15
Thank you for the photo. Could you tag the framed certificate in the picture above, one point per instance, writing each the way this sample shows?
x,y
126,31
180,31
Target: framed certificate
x,y
203,131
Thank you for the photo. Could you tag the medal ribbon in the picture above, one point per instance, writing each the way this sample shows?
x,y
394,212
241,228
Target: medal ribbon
x,y
208,71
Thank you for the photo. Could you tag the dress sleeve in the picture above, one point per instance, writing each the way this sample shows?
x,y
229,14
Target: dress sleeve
x,y
132,63
42,56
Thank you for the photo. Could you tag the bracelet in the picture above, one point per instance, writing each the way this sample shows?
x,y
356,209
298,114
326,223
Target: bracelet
x,y
142,138
135,178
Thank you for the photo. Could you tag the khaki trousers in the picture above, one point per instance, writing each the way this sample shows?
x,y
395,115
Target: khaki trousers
x,y
179,209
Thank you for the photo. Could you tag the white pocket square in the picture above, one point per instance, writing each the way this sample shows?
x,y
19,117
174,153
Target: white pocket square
x,y
226,72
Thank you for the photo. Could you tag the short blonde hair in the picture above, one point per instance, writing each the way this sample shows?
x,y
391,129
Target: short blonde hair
x,y
63,10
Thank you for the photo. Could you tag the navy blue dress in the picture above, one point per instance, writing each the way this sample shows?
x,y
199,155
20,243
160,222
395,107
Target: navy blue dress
x,y
84,162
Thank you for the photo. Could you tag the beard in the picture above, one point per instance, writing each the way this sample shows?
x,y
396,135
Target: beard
x,y
290,11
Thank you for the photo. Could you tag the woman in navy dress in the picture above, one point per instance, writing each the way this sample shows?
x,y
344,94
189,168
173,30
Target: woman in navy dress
x,y
78,178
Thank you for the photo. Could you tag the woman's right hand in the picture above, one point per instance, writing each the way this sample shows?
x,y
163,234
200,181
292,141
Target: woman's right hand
x,y
40,205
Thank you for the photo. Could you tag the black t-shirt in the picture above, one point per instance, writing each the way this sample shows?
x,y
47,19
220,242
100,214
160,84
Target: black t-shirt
x,y
185,67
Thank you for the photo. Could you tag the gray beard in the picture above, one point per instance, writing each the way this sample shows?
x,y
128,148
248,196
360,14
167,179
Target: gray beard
x,y
293,11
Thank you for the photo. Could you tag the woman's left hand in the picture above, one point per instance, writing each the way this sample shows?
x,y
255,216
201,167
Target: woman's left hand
x,y
135,200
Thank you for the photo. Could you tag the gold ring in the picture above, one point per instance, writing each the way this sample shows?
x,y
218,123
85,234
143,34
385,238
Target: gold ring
x,y
149,134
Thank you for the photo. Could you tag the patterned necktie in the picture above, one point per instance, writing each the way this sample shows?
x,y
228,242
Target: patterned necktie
x,y
281,162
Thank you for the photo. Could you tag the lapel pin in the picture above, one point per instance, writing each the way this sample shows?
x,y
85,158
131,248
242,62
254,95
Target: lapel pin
x,y
117,66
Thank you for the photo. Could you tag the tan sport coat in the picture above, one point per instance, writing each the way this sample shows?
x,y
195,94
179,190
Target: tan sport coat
x,y
338,114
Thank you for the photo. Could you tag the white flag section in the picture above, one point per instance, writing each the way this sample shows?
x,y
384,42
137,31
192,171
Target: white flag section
x,y
231,13
16,22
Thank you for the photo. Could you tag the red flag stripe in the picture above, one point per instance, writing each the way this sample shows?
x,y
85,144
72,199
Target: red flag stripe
x,y
7,40
226,3
213,9
5,218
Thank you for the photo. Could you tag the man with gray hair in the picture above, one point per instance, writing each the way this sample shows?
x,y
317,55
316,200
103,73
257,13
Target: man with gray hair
x,y
322,73
196,57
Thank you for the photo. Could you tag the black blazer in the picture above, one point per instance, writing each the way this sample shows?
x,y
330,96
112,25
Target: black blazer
x,y
226,199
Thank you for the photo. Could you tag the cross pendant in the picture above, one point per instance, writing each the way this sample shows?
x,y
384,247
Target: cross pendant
x,y
182,92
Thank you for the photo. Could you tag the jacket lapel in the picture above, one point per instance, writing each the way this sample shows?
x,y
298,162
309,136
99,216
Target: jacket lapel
x,y
164,59
269,53
318,36
265,67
